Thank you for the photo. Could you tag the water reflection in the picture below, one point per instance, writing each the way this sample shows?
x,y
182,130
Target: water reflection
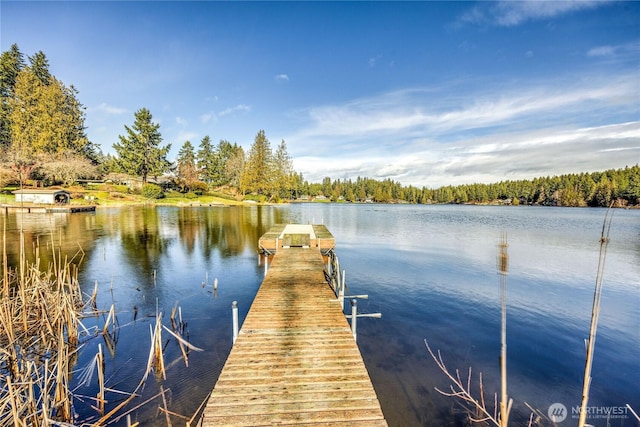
x,y
429,269
46,234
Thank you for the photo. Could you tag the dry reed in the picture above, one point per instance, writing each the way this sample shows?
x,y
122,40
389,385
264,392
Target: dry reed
x,y
40,334
39,323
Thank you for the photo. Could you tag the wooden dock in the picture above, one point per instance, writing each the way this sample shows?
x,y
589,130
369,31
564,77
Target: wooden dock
x,y
295,360
296,235
28,208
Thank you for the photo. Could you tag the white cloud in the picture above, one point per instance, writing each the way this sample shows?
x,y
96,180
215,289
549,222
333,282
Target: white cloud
x,y
107,109
181,121
422,111
374,60
185,136
602,51
209,117
240,108
622,52
512,13
436,137
212,116
282,77
510,155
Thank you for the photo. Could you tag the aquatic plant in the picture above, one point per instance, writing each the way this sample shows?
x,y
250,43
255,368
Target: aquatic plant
x,y
41,333
39,324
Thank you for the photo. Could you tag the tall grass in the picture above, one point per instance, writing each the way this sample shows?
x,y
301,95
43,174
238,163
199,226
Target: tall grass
x,y
40,334
39,323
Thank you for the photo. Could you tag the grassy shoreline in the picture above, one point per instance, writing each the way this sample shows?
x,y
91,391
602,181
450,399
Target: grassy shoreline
x,y
113,196
101,199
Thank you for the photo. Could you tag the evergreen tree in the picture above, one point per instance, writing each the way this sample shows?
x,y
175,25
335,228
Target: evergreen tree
x,y
40,66
139,152
234,168
45,119
283,171
187,169
257,176
298,185
11,62
206,160
327,188
604,192
76,129
225,152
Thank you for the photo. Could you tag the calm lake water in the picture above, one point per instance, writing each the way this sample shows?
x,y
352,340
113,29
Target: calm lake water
x,y
430,271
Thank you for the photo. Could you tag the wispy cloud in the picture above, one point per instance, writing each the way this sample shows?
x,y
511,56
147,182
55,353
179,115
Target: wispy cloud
x,y
518,132
282,77
107,109
213,116
509,155
512,13
181,121
602,51
435,113
185,136
616,52
240,108
208,117
374,60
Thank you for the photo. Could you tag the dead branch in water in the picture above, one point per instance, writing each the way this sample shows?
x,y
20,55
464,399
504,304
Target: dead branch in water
x,y
462,390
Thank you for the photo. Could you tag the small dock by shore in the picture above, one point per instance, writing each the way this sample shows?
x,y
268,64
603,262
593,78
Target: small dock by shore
x,y
287,236
295,360
30,208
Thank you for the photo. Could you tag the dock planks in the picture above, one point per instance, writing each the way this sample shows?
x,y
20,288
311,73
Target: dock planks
x,y
295,361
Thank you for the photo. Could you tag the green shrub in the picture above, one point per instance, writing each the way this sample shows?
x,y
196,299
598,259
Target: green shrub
x,y
199,187
152,191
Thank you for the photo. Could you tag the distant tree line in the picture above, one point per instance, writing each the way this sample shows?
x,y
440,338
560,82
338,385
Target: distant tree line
x,y
43,138
618,186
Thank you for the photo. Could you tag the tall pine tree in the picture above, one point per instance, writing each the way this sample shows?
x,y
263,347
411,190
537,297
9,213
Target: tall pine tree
x,y
45,118
11,62
40,67
187,171
206,160
257,176
283,171
139,152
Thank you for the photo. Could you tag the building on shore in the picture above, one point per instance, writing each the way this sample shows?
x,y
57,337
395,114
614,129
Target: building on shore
x,y
43,196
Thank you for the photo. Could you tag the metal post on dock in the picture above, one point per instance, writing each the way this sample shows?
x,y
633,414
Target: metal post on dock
x,y
354,317
234,315
266,264
341,290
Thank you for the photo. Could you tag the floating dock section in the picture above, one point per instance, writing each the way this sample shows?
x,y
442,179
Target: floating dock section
x,y
286,236
295,360
47,209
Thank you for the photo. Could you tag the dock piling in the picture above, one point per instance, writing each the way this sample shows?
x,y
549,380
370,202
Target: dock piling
x,y
354,318
234,315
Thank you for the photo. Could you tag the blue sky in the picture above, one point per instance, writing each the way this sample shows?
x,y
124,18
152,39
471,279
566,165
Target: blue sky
x,y
425,93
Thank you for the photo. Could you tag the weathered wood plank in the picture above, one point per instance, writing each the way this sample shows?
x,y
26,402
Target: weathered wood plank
x,y
295,361
326,418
